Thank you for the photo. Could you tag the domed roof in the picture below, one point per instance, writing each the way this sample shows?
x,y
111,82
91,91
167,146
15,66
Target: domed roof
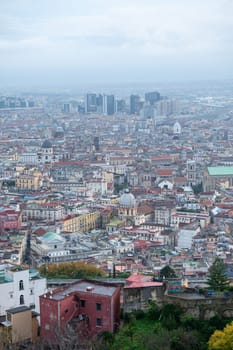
x,y
127,200
52,236
46,144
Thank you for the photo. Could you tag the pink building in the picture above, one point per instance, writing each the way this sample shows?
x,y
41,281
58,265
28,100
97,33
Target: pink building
x,y
10,219
88,306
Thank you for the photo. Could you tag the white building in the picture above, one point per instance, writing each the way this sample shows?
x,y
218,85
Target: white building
x,y
177,128
97,187
43,211
45,154
20,286
52,245
185,237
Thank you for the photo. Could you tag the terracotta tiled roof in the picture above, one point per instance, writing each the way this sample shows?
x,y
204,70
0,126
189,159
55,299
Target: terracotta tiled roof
x,y
180,179
164,172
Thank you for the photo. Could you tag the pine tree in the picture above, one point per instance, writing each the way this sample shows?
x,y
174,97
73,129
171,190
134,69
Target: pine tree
x,y
167,272
217,279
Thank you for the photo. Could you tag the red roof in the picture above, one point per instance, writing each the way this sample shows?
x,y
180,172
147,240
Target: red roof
x,y
144,285
49,204
135,278
164,172
180,179
162,157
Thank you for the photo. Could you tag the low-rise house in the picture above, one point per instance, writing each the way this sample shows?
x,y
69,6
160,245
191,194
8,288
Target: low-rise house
x,y
88,307
139,291
20,326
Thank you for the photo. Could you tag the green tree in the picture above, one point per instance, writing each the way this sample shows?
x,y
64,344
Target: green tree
x,y
197,188
217,279
167,272
74,269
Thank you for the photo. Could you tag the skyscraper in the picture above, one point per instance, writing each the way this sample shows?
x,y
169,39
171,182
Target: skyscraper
x,y
152,97
66,107
99,103
120,106
90,103
108,104
134,104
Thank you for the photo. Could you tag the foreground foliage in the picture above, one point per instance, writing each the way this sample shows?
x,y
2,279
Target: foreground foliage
x,y
166,328
222,340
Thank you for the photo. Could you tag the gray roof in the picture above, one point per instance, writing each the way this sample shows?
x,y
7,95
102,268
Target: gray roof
x,y
87,287
18,309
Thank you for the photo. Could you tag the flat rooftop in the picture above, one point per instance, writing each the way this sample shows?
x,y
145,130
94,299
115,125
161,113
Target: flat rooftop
x,y
18,309
86,287
220,170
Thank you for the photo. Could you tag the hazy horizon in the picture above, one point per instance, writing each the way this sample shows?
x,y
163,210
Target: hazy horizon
x,y
67,43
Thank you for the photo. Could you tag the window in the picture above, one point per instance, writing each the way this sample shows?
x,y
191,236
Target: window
x,y
98,306
21,285
99,322
82,303
21,299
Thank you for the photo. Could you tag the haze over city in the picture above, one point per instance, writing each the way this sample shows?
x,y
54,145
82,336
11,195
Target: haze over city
x,y
68,43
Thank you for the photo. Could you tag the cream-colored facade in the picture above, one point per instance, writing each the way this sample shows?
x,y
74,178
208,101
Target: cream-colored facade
x,y
31,181
43,211
82,222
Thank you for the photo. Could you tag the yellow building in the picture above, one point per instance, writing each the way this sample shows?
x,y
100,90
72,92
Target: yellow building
x,y
30,181
82,222
21,325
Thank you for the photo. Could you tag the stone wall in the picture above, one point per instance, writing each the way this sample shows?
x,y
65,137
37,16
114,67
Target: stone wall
x,y
203,308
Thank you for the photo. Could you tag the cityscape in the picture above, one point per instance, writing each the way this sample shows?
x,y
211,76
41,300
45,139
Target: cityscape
x,y
116,175
129,185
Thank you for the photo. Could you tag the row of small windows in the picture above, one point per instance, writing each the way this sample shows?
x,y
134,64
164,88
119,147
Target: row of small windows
x,y
98,305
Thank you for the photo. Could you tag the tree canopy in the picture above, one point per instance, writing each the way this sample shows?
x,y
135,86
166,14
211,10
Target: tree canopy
x,y
167,272
73,269
217,279
222,340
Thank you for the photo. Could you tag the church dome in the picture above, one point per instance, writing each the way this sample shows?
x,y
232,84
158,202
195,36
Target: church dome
x,y
47,144
127,200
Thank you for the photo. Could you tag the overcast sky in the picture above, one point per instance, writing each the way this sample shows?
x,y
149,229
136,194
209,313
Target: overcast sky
x,y
76,41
